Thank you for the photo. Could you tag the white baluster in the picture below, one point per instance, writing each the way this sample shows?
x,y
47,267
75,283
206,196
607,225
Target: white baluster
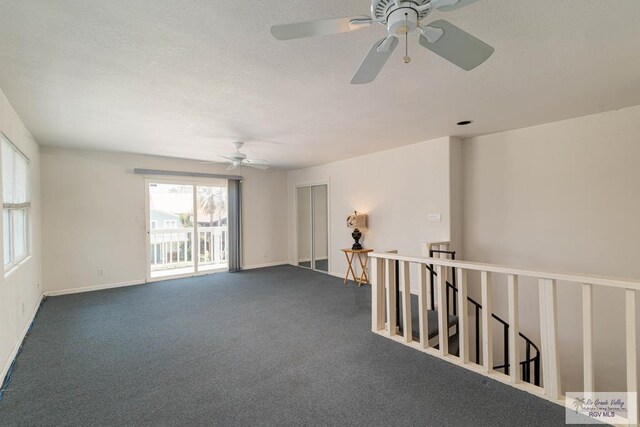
x,y
423,302
587,337
406,302
463,317
443,322
391,297
632,356
487,331
514,328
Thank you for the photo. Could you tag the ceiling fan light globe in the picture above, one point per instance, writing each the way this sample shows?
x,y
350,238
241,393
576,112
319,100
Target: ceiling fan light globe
x,y
402,21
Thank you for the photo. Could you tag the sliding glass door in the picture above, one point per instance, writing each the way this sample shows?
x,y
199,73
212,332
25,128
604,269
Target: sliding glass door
x,y
187,228
171,229
212,227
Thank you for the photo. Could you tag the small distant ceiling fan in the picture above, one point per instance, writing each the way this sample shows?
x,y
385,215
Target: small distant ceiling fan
x,y
238,159
401,17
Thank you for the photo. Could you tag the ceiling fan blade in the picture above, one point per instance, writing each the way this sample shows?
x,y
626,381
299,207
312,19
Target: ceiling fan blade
x,y
456,45
257,162
261,167
374,61
225,157
449,5
232,167
318,28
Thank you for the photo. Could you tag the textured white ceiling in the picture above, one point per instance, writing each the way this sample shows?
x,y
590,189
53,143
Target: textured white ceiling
x,y
184,78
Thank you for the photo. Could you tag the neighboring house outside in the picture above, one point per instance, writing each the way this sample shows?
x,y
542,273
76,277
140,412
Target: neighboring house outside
x,y
168,247
161,220
170,239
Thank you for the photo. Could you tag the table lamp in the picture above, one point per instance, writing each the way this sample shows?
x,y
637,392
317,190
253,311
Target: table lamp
x,y
355,222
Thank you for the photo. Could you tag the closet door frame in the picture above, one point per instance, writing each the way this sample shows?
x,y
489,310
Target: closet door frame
x,y
295,216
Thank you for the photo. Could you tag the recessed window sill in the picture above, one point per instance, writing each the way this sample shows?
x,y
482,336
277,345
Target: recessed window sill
x,y
14,267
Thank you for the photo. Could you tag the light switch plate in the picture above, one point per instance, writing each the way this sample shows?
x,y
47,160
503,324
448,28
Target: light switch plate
x,y
434,217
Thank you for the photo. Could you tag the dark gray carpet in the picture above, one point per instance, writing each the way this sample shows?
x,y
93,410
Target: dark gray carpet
x,y
277,346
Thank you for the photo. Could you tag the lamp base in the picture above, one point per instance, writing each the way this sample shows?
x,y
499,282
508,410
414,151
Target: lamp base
x,y
357,235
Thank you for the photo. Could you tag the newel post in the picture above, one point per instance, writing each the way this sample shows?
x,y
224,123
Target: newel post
x,y
549,338
377,295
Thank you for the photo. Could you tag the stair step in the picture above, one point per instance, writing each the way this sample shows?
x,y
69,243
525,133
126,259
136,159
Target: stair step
x,y
454,345
433,323
432,316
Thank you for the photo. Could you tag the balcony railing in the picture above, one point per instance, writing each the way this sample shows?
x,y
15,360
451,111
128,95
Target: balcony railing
x,y
173,248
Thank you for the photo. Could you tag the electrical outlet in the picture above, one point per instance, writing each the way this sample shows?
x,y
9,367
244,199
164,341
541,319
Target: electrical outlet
x,y
100,272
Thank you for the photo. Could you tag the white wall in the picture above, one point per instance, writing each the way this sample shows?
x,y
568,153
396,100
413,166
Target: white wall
x,y
20,289
562,196
95,216
396,188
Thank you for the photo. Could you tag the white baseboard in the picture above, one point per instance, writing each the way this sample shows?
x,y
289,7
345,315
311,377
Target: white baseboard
x,y
16,347
143,281
338,275
94,288
322,258
330,273
269,264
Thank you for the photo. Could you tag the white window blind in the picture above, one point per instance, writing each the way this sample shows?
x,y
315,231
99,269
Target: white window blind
x,y
15,203
14,176
6,227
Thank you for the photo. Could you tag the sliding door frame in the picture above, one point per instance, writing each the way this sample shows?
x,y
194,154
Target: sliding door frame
x,y
295,224
195,248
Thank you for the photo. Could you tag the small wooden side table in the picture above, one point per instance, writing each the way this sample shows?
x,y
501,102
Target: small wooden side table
x,y
363,258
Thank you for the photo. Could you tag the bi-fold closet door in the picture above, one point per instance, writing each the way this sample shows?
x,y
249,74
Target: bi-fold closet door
x,y
313,227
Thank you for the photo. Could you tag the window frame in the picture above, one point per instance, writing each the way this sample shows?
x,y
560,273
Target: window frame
x,y
12,208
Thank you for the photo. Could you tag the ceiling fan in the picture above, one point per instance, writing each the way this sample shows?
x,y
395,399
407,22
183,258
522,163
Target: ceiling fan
x,y
238,159
401,17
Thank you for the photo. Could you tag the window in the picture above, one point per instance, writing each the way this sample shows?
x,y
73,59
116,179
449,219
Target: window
x,y
154,224
15,204
170,223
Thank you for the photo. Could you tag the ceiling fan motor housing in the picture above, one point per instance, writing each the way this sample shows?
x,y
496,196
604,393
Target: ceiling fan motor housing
x,y
238,156
383,9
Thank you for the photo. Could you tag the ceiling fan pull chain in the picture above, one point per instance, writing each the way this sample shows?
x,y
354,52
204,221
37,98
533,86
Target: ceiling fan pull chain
x,y
406,58
440,37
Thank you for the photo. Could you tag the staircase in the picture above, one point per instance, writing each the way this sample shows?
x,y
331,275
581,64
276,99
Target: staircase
x,y
442,303
530,365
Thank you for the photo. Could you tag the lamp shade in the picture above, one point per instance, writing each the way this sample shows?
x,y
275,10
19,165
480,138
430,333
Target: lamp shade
x,y
357,220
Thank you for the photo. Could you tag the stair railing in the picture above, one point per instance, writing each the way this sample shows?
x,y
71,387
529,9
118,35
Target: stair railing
x,y
385,322
530,365
526,364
